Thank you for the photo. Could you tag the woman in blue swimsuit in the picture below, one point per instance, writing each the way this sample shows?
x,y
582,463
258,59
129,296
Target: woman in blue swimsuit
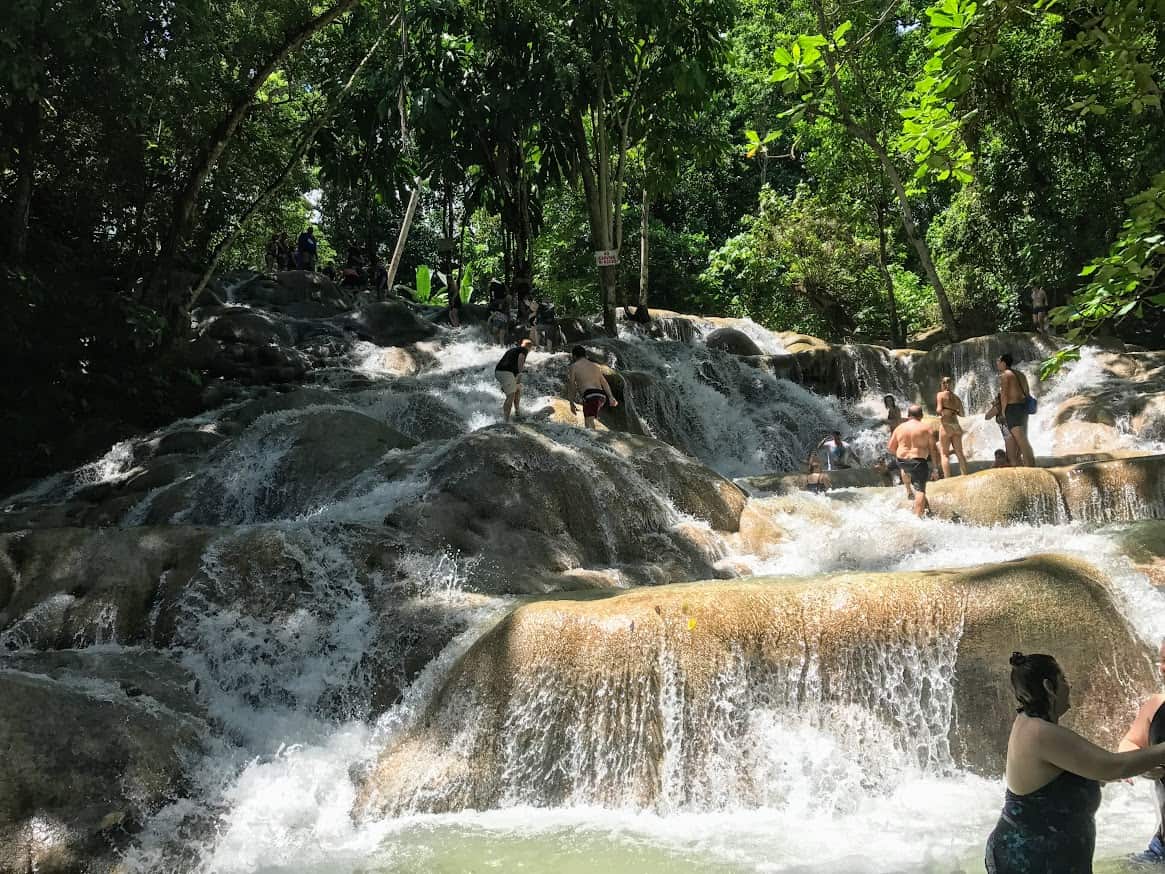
x,y
1053,779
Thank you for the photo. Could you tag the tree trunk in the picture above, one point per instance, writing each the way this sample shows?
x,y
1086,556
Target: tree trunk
x,y
644,245
25,170
912,233
157,294
895,329
600,228
403,236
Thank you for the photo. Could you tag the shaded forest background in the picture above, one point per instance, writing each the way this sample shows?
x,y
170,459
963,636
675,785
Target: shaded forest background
x,y
858,172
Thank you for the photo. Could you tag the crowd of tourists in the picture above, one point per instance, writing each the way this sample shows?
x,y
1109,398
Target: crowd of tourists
x,y
919,450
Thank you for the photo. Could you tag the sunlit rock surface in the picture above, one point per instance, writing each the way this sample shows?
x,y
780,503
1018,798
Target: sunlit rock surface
x,y
678,697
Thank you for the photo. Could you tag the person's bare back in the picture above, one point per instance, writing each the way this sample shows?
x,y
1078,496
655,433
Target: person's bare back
x,y
912,439
1011,388
584,374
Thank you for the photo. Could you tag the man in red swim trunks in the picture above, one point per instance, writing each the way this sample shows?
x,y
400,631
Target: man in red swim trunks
x,y
585,378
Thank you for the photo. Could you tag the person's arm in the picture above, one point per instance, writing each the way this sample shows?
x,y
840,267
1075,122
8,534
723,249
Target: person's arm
x,y
571,392
892,446
1070,752
521,363
610,397
1137,737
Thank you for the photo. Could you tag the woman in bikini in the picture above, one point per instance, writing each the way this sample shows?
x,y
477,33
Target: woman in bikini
x,y
950,432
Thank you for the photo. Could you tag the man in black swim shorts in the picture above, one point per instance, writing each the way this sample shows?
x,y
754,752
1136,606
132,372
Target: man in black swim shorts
x,y
913,444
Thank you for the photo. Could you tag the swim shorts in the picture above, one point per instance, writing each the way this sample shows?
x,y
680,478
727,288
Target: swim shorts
x,y
509,381
594,400
918,469
1016,415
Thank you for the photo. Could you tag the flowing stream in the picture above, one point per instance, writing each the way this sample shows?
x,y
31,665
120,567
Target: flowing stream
x,y
818,788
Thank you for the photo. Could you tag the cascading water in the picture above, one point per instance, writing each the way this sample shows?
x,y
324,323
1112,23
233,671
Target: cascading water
x,y
306,623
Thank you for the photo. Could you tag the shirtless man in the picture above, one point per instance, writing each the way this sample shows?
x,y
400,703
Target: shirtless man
x,y
1013,394
1040,309
1149,726
1010,450
913,444
585,378
950,432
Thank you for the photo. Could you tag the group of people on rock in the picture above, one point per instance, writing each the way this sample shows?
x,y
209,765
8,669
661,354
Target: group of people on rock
x,y
521,311
1053,777
281,255
919,451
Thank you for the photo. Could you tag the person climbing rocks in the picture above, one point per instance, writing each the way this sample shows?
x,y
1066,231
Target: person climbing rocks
x,y
305,249
1040,309
1001,459
913,444
1053,778
1010,450
1016,400
585,379
817,482
1147,729
839,455
498,322
509,374
950,432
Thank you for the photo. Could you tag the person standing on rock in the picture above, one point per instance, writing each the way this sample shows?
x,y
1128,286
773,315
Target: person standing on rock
x,y
913,444
585,379
1014,397
306,247
509,374
1010,450
1147,729
1053,777
893,412
950,432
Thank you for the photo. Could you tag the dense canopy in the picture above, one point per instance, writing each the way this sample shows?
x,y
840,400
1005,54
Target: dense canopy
x,y
861,170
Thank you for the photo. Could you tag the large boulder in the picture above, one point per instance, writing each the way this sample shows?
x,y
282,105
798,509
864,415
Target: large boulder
x,y
390,323
94,743
668,697
1115,491
550,507
68,587
1110,490
285,465
999,497
733,341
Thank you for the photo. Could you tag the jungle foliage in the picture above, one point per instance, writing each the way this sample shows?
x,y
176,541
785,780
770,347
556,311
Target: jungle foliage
x,y
867,169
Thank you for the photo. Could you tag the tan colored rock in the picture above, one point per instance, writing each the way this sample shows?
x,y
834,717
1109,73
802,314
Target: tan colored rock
x,y
998,497
1144,544
1115,491
664,696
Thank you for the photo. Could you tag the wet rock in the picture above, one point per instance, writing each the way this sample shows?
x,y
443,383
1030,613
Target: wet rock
x,y
1115,491
247,326
914,663
65,587
999,497
389,323
537,503
733,341
125,729
310,458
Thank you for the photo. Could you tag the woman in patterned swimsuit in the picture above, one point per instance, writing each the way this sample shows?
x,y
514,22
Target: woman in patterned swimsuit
x,y
1047,825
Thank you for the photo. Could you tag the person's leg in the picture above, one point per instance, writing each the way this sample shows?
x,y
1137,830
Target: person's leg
x,y
1019,435
589,422
920,503
957,443
518,400
906,482
944,451
508,407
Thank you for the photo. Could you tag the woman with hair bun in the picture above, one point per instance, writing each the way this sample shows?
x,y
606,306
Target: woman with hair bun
x,y
1053,779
